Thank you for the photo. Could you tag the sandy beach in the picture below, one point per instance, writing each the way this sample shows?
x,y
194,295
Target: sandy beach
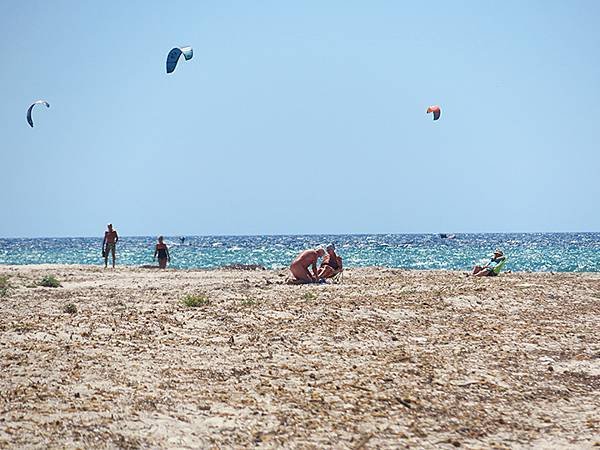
x,y
386,359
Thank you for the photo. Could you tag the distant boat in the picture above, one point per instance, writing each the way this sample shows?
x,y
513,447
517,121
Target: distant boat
x,y
447,236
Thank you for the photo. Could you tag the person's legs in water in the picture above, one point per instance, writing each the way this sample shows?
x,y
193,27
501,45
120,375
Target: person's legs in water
x,y
162,263
113,249
107,250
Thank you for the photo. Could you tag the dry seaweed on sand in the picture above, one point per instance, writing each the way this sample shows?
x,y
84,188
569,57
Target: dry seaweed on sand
x,y
388,359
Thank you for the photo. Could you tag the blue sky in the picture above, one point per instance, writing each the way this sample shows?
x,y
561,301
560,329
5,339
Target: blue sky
x,y
300,117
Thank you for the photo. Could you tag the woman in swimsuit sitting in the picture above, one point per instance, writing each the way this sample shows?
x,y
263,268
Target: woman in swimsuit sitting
x,y
331,265
162,252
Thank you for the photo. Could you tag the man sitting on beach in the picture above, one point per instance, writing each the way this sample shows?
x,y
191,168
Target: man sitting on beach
x,y
299,267
109,244
493,267
331,265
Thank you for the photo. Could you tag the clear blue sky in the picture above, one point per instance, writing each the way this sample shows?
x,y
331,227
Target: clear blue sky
x,y
300,117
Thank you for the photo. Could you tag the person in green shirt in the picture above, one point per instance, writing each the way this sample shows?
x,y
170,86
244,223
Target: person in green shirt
x,y
493,267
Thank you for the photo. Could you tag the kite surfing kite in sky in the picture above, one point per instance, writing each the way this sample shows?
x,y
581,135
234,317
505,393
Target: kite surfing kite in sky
x,y
174,55
435,109
38,102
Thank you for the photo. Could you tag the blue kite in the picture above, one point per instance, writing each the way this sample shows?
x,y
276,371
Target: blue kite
x,y
37,102
174,55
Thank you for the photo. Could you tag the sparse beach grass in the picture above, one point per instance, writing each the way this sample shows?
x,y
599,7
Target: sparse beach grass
x,y
49,281
5,285
195,300
309,296
70,308
249,301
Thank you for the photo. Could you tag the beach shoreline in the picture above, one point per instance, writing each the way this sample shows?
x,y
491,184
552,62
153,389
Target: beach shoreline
x,y
386,359
242,268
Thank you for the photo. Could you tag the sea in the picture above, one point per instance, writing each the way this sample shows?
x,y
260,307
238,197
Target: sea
x,y
526,252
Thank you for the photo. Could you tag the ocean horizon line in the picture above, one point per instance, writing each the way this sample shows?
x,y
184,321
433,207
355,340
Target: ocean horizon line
x,y
437,233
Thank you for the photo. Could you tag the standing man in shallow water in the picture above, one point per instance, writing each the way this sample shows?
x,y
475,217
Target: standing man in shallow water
x,y
109,244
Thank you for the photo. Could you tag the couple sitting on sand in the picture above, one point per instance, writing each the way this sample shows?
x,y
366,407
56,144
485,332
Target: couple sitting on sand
x,y
329,268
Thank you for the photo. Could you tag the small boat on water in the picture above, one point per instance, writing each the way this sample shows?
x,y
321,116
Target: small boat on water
x,y
447,236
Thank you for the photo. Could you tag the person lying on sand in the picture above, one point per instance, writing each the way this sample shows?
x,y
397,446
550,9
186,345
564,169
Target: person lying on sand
x,y
331,264
493,267
300,265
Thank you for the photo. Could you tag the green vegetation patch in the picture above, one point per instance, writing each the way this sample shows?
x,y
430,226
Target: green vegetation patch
x,y
309,296
5,286
50,281
70,308
195,300
249,301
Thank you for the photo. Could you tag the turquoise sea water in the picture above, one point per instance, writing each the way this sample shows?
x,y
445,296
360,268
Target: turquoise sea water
x,y
560,252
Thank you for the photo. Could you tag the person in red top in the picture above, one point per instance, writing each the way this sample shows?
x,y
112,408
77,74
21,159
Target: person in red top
x,y
109,245
162,251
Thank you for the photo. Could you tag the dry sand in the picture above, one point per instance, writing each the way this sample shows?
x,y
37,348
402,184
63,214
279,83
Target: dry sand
x,y
387,359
